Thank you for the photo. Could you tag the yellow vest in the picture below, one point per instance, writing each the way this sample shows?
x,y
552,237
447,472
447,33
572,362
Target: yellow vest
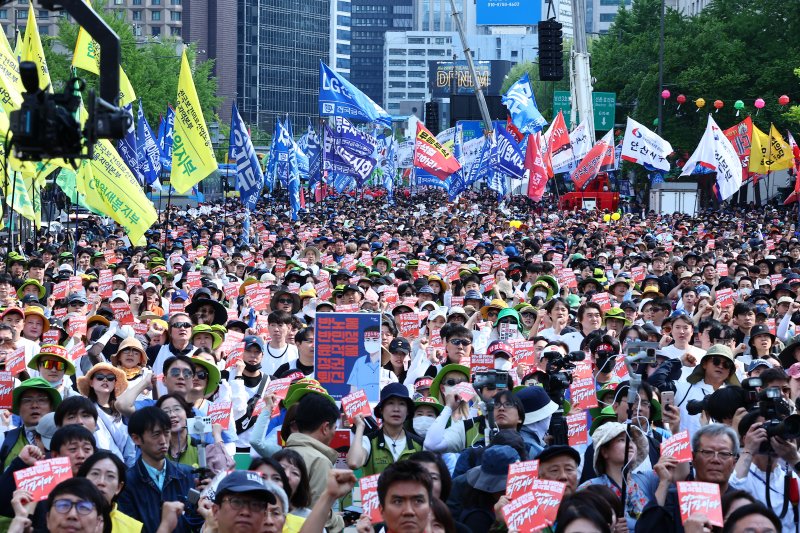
x,y
122,523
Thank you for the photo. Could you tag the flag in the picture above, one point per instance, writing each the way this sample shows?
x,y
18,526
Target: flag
x,y
769,152
456,182
510,159
127,148
65,179
34,188
481,166
535,170
645,147
349,151
559,149
272,160
294,192
87,57
521,104
166,134
192,154
314,153
340,98
431,156
715,153
580,143
17,197
283,145
10,82
249,178
147,150
599,158
741,136
796,168
32,50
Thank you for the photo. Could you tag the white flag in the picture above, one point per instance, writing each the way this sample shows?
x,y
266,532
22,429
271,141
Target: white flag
x,y
645,147
581,144
715,153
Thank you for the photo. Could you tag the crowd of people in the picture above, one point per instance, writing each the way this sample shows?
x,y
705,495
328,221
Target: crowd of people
x,y
120,358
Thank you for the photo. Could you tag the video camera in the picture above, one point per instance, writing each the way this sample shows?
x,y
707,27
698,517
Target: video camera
x,y
778,418
45,126
490,379
559,377
639,355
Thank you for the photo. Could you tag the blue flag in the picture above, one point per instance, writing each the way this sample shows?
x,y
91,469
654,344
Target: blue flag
x,y
282,149
456,182
349,151
509,158
521,104
314,153
342,182
340,98
390,168
127,148
498,183
249,178
165,139
272,161
480,168
147,150
425,179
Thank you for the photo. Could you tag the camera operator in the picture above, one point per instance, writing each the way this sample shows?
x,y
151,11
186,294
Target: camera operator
x,y
604,350
716,369
760,463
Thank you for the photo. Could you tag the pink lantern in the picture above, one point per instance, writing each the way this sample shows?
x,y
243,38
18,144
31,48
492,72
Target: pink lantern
x,y
665,94
760,103
783,99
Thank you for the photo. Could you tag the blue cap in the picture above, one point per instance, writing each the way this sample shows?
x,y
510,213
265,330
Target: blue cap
x,y
755,363
241,481
250,340
180,295
473,295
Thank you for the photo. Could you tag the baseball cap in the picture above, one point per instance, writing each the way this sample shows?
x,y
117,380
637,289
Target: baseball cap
x,y
250,340
400,345
241,481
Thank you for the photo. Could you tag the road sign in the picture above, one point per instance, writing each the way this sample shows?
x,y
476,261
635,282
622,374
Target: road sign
x,y
604,105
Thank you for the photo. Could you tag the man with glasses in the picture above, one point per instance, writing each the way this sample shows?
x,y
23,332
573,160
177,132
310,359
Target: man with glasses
x,y
715,370
32,399
76,505
242,500
154,480
177,379
52,364
715,449
179,342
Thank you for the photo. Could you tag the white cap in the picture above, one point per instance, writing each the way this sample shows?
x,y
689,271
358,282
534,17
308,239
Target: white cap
x,y
120,277
120,295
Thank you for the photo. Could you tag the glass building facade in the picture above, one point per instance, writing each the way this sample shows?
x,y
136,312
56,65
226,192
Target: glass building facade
x,y
281,43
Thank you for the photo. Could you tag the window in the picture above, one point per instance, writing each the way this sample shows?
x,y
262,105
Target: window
x,y
397,62
175,16
341,62
117,2
416,40
175,31
3,14
175,2
343,49
397,85
343,20
607,17
137,30
22,14
155,31
137,2
44,30
156,15
514,53
397,52
416,95
43,14
137,14
397,73
155,2
417,85
416,63
343,35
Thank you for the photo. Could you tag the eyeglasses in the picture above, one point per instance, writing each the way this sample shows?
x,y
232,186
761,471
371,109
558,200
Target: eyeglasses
x,y
178,372
181,325
711,454
174,410
719,361
76,304
453,382
504,405
93,288
53,365
407,295
460,342
201,374
105,377
65,506
285,301
255,506
492,313
38,400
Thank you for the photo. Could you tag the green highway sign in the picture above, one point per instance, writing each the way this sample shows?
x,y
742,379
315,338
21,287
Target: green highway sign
x,y
604,105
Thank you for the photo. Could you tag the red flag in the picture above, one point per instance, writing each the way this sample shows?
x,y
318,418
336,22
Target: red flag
x,y
513,130
302,198
535,168
430,155
740,137
592,164
796,166
559,147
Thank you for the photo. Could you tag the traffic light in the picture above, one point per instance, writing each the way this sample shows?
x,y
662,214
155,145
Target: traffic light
x,y
551,53
432,117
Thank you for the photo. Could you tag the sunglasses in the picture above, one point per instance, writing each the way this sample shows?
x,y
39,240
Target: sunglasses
x,y
201,374
461,342
720,361
285,301
178,372
105,377
53,365
453,382
182,325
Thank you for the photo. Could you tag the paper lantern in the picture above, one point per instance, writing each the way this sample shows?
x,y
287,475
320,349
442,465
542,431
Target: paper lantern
x,y
665,94
606,217
615,216
783,99
760,103
700,103
738,106
719,104
681,100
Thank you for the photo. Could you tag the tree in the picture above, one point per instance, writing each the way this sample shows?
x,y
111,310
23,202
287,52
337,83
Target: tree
x,y
152,66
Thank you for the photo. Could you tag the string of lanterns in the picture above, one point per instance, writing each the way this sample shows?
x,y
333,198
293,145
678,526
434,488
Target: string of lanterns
x,y
700,103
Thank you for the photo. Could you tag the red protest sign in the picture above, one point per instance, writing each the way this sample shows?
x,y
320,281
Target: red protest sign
x,y
132,282
259,296
638,273
582,393
41,478
77,351
110,256
60,290
725,298
524,353
235,353
76,327
356,404
677,446
603,299
368,485
535,509
566,278
577,428
220,413
481,362
520,477
193,279
15,361
390,295
722,269
231,290
75,284
774,279
698,497
6,390
105,283
408,325
465,391
177,307
122,313
620,372
278,388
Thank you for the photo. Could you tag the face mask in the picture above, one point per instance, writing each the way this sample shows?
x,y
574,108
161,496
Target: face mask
x,y
502,364
56,384
541,294
616,266
372,346
251,367
745,292
422,424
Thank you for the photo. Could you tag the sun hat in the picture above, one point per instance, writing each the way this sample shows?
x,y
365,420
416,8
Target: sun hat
x,y
134,343
437,381
37,383
537,403
53,350
492,473
84,382
719,350
213,374
611,430
205,328
394,390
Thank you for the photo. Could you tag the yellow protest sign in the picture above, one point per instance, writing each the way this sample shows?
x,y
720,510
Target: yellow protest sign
x,y
87,57
32,50
192,154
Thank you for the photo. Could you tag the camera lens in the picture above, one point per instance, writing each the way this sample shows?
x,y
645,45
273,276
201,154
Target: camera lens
x,y
695,407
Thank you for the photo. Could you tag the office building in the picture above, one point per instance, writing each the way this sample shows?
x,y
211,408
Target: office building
x,y
339,58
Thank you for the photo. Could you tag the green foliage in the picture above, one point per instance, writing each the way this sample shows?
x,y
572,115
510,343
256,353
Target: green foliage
x,y
733,50
793,115
152,66
543,90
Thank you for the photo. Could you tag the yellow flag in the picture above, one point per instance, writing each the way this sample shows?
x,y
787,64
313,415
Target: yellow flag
x,y
32,50
758,151
87,57
192,154
769,152
111,188
10,82
16,192
34,194
19,45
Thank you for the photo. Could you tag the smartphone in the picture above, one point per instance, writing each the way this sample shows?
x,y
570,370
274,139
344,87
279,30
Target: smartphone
x,y
667,398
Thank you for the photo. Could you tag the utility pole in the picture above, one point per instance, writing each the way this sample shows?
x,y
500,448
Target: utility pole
x,y
580,70
487,121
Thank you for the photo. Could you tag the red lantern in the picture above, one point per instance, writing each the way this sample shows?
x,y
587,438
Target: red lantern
x,y
783,99
718,104
681,99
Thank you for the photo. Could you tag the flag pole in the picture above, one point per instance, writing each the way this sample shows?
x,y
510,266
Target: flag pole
x,y
75,239
11,215
166,218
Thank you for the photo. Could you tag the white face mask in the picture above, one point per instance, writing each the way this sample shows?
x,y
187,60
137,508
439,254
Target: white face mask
x,y
372,346
502,364
616,266
422,424
542,294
